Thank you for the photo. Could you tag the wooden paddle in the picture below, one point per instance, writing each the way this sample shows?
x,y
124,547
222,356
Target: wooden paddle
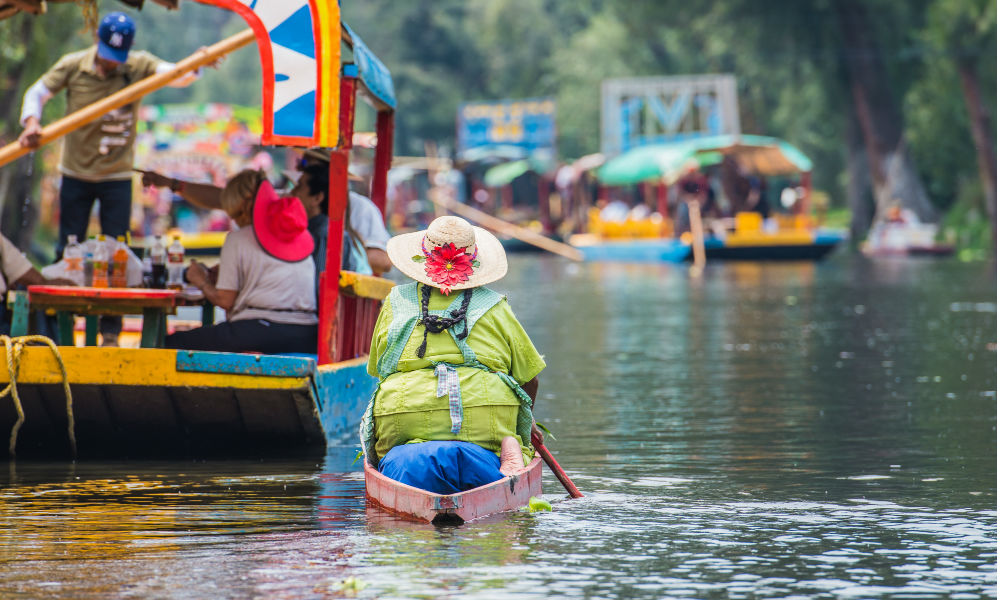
x,y
128,94
536,441
503,227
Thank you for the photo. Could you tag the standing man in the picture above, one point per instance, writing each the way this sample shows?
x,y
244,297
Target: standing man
x,y
96,158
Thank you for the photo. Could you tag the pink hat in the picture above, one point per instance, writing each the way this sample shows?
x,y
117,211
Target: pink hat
x,y
280,225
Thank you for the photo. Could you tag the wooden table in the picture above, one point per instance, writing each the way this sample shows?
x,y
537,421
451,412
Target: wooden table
x,y
68,301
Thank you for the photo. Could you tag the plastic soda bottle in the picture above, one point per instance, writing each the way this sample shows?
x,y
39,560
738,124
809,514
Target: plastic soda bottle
x,y
147,269
175,264
73,256
158,256
88,262
100,263
119,264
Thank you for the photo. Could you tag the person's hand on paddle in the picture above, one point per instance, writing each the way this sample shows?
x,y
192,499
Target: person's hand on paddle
x,y
215,63
31,137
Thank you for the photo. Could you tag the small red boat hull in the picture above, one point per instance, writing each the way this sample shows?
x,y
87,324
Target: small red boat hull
x,y
509,493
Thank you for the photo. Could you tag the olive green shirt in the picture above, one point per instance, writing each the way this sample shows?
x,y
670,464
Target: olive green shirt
x,y
407,408
102,150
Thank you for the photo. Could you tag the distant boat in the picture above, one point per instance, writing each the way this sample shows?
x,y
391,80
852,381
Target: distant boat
x,y
901,236
747,235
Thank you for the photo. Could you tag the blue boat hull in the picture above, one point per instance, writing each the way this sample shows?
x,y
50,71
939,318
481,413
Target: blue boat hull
x,y
675,251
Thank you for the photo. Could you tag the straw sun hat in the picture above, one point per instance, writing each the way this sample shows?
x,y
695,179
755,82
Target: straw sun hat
x,y
450,255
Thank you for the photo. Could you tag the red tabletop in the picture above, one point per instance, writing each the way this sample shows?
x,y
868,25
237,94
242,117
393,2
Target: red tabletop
x,y
101,301
93,292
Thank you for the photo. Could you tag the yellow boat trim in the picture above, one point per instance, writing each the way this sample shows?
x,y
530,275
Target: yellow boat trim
x,y
132,366
361,360
779,238
365,286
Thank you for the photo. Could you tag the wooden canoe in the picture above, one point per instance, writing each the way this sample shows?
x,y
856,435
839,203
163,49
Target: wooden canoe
x,y
510,493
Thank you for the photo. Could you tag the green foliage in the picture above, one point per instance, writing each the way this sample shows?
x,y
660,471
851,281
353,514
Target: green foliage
x,y
965,226
788,56
937,116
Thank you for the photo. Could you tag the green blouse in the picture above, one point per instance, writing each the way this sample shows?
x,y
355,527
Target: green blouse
x,y
407,409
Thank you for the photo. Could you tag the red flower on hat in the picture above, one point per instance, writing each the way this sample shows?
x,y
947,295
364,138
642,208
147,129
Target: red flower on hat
x,y
447,265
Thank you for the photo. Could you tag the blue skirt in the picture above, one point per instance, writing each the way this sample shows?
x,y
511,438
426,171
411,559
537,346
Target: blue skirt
x,y
441,467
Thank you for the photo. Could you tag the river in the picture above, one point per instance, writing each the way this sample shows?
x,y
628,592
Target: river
x,y
771,430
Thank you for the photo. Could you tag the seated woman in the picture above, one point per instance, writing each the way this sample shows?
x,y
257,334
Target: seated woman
x,y
265,278
457,372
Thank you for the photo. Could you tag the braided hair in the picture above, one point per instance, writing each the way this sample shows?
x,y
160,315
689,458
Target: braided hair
x,y
436,324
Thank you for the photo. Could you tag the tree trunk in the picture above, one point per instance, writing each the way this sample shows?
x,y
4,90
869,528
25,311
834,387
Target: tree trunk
x,y
859,185
979,123
19,213
893,174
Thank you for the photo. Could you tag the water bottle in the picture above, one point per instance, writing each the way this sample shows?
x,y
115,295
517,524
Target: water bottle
x,y
147,269
100,263
175,265
73,257
119,264
88,262
158,256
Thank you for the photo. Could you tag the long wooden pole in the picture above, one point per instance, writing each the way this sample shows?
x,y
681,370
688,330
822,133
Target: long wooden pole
x,y
127,95
536,441
503,227
698,235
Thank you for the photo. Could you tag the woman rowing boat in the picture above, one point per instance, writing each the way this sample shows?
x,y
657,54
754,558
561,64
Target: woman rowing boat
x,y
457,372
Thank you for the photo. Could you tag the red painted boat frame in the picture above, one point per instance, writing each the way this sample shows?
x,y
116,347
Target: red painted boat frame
x,y
510,493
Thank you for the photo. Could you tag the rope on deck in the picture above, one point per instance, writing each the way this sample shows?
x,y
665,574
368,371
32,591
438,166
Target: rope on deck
x,y
14,347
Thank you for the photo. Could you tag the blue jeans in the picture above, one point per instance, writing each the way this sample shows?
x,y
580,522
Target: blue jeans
x,y
76,200
441,467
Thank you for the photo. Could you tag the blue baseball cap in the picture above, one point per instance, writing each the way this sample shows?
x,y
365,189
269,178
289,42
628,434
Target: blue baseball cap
x,y
114,37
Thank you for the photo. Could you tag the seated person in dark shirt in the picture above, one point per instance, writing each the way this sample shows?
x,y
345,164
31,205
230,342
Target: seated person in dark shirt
x,y
311,189
364,224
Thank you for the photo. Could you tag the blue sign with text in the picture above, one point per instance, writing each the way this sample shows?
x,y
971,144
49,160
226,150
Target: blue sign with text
x,y
529,124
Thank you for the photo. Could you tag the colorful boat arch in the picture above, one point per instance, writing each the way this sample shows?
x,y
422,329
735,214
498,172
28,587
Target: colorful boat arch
x,y
299,44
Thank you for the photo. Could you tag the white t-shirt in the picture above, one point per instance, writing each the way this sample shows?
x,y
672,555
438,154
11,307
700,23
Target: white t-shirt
x,y
366,219
267,288
13,264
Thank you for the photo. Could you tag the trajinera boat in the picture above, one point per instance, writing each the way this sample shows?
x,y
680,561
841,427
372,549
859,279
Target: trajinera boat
x,y
154,402
742,165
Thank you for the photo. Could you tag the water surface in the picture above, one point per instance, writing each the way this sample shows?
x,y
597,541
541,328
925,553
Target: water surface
x,y
772,430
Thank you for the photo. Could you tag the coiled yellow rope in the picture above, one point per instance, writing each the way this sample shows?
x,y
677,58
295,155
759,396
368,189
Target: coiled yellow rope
x,y
14,347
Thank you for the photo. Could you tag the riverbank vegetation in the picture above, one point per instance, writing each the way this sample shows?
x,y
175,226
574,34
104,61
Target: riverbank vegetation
x,y
894,100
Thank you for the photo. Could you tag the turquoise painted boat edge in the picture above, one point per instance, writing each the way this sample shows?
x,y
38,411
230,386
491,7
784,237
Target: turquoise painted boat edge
x,y
666,250
342,393
245,364
373,73
830,236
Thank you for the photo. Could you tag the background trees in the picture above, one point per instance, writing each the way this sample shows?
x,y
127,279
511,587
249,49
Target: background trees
x,y
895,100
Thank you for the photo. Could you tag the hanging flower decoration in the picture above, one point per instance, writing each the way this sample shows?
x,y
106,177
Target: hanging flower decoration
x,y
447,265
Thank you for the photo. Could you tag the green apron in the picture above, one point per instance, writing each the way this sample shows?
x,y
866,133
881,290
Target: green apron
x,y
405,303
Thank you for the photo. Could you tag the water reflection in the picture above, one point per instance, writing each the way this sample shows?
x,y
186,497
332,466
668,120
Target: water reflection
x,y
802,430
